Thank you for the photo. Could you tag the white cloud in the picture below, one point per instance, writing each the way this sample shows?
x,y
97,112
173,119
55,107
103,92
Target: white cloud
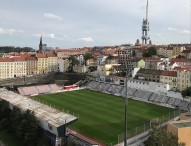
x,y
9,31
185,31
172,29
179,31
46,35
52,16
88,39
52,36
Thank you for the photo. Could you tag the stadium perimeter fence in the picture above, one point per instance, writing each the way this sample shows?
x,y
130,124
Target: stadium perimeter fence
x,y
132,133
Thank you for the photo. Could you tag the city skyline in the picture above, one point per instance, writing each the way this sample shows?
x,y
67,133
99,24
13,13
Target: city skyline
x,y
73,24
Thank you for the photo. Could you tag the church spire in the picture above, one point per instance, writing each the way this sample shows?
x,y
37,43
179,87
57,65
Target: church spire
x,y
40,44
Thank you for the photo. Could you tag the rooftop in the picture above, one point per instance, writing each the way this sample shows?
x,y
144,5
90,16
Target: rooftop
x,y
169,73
182,124
149,71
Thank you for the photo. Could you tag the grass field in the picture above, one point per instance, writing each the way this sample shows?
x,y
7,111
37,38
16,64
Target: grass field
x,y
101,116
9,139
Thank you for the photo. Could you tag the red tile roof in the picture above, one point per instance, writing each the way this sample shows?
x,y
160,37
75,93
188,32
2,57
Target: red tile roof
x,y
169,73
51,55
41,55
6,59
19,58
180,60
183,68
31,58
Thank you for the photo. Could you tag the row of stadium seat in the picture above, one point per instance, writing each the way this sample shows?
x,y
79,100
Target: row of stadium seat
x,y
138,94
33,90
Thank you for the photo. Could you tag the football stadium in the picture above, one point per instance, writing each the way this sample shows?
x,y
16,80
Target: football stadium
x,y
92,112
101,116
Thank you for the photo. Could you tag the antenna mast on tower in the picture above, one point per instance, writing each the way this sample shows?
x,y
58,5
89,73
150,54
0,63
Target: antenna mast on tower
x,y
145,27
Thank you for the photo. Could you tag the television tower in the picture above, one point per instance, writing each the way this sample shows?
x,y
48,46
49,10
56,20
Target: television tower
x,y
145,27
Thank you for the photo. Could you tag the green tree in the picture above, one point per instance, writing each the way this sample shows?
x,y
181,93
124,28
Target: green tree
x,y
110,57
87,56
73,61
149,52
160,138
15,118
180,56
4,109
186,92
30,128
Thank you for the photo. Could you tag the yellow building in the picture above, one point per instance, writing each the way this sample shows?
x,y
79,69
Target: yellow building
x,y
138,63
170,51
183,77
12,67
20,66
91,62
46,62
65,53
42,63
182,129
52,61
109,69
6,68
169,77
31,65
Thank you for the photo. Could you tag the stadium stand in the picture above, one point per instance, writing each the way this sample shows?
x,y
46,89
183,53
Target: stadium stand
x,y
35,90
53,122
92,85
28,90
164,99
111,89
100,87
137,94
106,87
142,94
43,89
54,87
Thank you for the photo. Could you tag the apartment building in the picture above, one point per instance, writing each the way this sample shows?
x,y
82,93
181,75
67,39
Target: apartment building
x,y
42,63
183,77
148,75
181,129
152,63
63,64
91,62
12,67
182,61
138,63
124,58
6,68
170,51
52,61
19,66
31,65
65,53
170,78
186,53
46,62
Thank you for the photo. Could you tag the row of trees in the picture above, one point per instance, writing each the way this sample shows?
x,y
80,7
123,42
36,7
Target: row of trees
x,y
22,125
8,49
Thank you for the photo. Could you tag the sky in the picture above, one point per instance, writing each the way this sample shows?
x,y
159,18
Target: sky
x,y
87,23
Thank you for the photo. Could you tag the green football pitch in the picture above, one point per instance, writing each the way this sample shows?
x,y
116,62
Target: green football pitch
x,y
101,116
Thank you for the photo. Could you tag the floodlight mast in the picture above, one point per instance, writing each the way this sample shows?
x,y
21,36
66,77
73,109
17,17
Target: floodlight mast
x,y
126,105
